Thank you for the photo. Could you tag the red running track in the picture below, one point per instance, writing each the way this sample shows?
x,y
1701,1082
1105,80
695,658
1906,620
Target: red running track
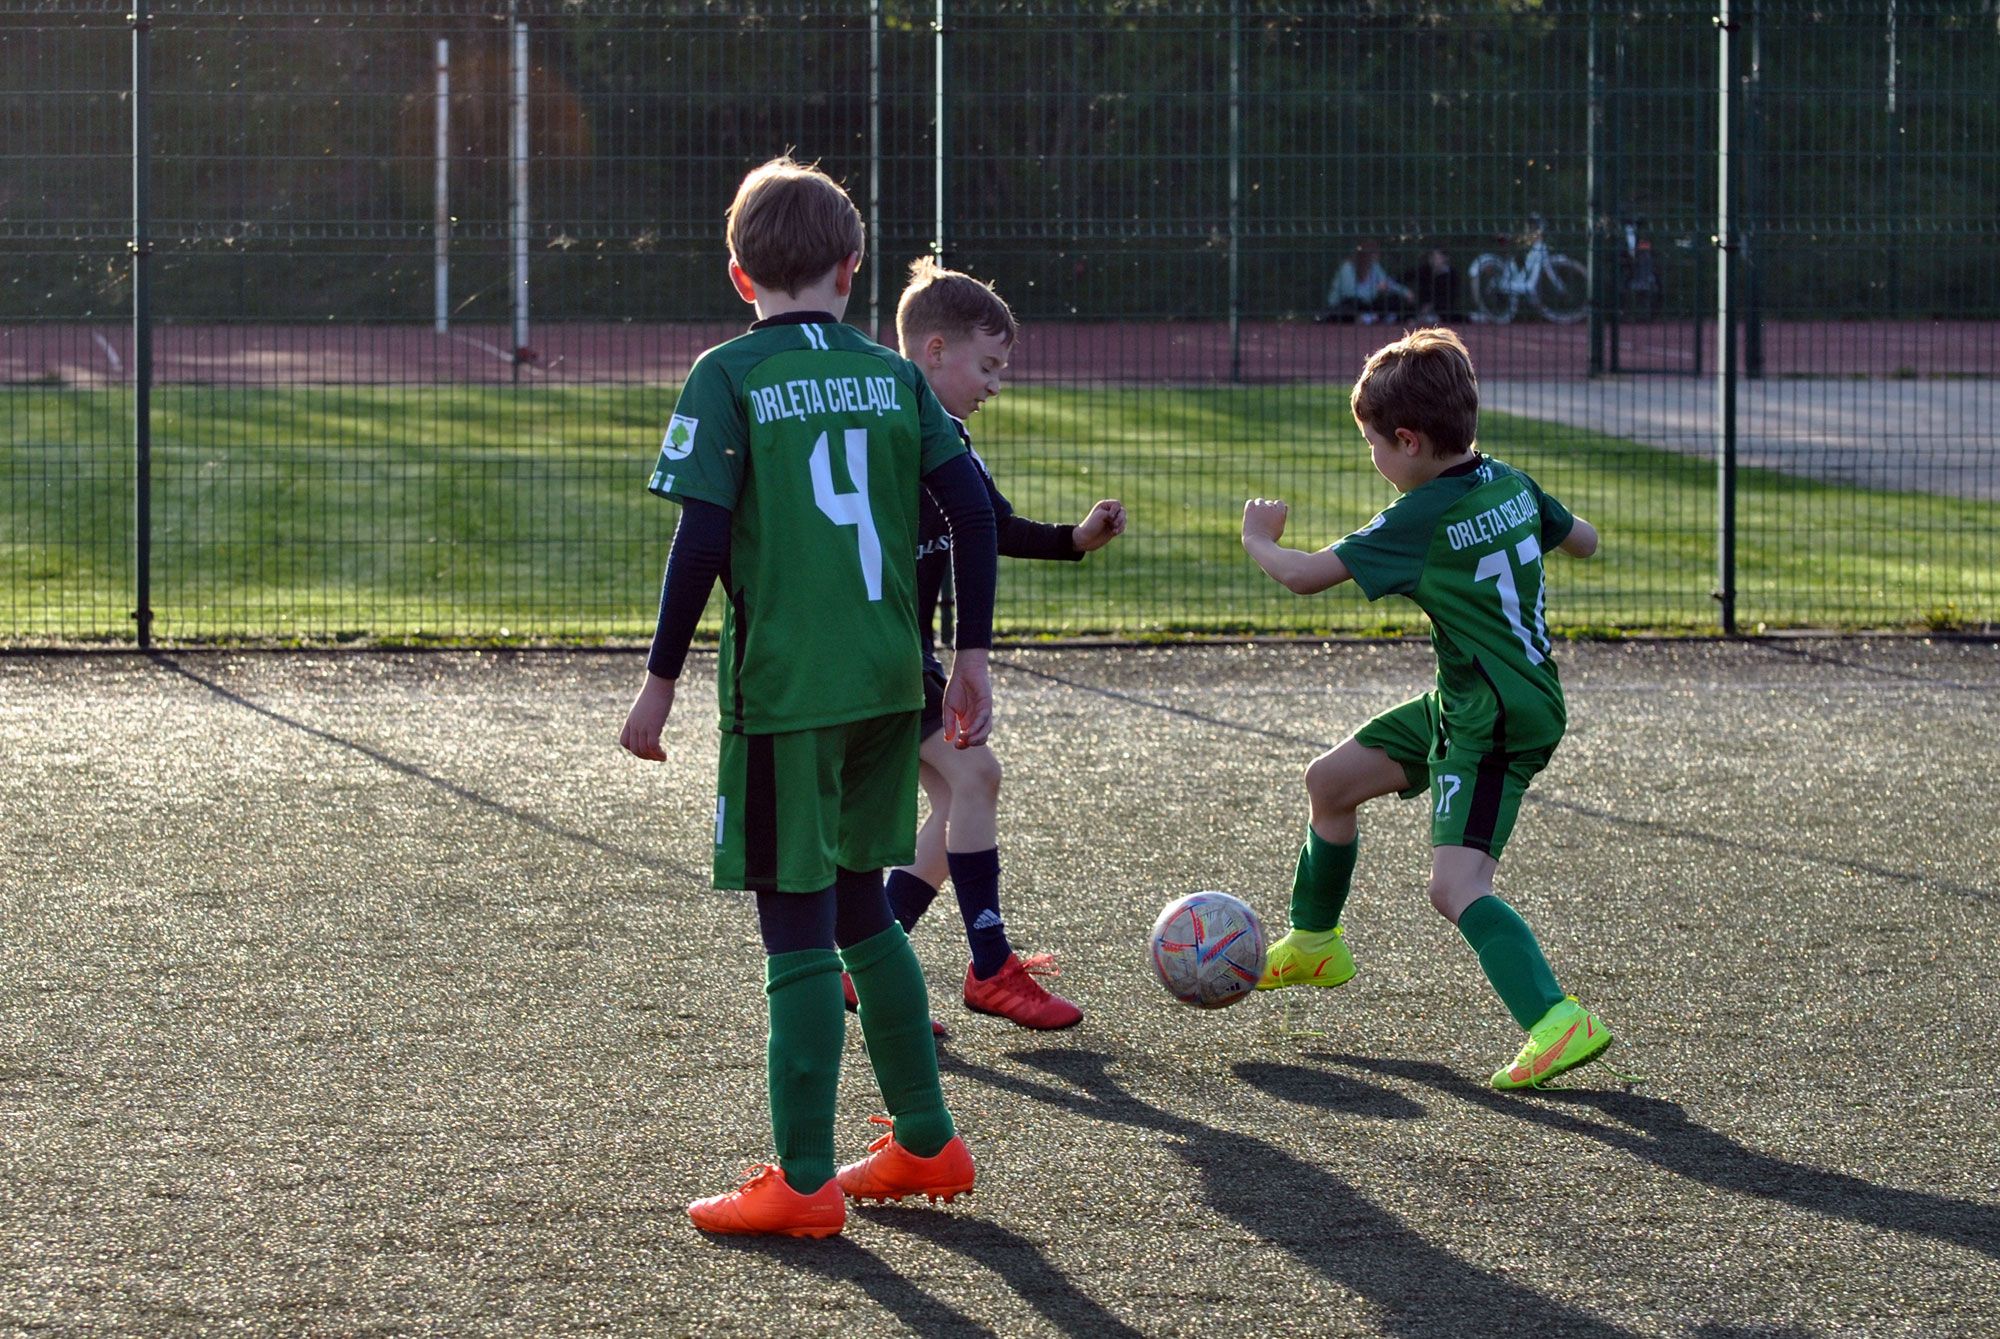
x,y
1125,352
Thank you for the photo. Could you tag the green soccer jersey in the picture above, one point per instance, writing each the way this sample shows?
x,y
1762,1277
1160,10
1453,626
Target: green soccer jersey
x,y
815,438
1467,547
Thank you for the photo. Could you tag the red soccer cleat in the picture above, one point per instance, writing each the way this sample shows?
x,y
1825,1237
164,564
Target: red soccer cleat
x,y
1014,994
764,1205
891,1171
854,1004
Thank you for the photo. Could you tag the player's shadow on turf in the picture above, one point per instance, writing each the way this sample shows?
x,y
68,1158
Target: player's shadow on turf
x,y
1017,1260
1416,1289
1657,1131
843,1261
416,773
1327,1091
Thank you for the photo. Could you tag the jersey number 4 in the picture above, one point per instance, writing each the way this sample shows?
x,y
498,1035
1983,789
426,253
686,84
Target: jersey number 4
x,y
850,508
1494,567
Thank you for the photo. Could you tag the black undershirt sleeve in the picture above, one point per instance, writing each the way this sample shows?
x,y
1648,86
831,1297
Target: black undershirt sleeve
x,y
1020,537
699,554
960,493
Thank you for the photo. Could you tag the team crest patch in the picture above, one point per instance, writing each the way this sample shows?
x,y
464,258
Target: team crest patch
x,y
679,444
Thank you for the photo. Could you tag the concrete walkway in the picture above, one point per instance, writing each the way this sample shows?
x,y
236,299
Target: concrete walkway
x,y
1916,436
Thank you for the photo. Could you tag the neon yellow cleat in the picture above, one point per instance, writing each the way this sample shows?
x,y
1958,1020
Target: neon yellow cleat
x,y
1308,958
1566,1036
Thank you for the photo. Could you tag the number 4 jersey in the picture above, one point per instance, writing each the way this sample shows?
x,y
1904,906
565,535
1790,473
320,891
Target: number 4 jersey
x,y
1467,547
815,437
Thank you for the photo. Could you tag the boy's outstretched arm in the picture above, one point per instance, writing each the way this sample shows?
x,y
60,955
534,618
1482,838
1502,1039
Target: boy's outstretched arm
x,y
700,551
1581,541
1297,571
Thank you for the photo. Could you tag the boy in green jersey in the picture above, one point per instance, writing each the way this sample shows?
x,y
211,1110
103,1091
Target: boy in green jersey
x,y
1465,541
799,453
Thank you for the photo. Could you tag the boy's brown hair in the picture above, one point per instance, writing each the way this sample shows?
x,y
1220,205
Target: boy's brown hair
x,y
1423,382
946,302
791,223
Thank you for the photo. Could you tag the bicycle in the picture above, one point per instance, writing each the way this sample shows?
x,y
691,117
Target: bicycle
x,y
1554,285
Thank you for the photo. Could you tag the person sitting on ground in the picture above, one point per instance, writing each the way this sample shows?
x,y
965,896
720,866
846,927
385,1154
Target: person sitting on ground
x,y
1435,284
1362,290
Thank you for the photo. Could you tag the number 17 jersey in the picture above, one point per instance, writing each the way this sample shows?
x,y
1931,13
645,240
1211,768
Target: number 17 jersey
x,y
1467,547
816,439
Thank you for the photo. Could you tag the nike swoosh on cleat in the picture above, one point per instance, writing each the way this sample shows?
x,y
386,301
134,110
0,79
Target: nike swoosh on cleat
x,y
1546,1058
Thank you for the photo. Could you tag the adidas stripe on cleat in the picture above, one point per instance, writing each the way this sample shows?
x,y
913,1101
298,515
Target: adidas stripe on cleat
x,y
1567,1036
1014,993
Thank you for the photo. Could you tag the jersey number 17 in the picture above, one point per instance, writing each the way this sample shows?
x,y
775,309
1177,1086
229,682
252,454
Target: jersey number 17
x,y
1494,567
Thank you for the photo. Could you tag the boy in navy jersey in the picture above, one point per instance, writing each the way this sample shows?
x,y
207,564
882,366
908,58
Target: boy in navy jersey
x,y
961,333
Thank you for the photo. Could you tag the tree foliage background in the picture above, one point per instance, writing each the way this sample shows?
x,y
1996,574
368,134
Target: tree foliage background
x,y
1087,147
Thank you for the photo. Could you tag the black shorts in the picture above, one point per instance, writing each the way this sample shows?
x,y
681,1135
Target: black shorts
x,y
933,717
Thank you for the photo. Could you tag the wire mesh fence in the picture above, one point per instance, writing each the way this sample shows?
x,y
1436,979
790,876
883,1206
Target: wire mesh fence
x,y
419,282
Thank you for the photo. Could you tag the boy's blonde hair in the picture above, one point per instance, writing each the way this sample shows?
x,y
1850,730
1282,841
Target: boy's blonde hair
x,y
791,223
1423,382
945,302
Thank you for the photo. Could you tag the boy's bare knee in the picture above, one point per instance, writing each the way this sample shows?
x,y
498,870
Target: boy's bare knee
x,y
1450,897
981,777
1324,782
1445,900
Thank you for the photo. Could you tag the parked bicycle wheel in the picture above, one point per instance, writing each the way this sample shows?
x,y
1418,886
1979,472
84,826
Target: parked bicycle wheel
x,y
1562,290
1492,297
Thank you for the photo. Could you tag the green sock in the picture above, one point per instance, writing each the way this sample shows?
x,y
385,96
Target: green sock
x,y
802,1061
896,1023
1321,882
1512,959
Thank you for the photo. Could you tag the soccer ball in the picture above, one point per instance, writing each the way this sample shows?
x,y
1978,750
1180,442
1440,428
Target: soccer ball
x,y
1208,949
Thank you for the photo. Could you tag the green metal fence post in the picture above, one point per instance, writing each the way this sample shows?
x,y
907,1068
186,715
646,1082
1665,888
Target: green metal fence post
x,y
1746,225
1235,190
1893,164
1593,169
947,601
940,242
142,329
874,169
1725,342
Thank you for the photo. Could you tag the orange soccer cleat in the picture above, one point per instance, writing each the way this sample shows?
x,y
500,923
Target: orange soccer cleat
x,y
891,1171
854,1004
766,1205
1013,993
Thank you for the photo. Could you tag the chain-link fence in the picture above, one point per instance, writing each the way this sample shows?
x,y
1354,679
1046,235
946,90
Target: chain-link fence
x,y
322,319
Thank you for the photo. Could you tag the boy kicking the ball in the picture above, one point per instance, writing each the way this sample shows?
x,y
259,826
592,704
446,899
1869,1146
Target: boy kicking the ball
x,y
1465,541
961,333
799,453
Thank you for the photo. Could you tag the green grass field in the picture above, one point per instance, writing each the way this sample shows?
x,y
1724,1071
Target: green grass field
x,y
407,514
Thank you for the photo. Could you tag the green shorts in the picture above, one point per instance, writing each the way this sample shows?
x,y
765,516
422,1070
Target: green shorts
x,y
1475,797
791,809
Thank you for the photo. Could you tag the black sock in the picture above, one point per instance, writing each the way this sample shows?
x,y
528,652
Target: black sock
x,y
909,897
976,877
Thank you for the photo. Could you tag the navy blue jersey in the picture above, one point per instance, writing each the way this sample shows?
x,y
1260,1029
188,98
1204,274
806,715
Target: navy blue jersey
x,y
1019,538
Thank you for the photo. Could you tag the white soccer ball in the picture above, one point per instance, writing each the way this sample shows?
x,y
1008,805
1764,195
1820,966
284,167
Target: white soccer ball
x,y
1208,949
